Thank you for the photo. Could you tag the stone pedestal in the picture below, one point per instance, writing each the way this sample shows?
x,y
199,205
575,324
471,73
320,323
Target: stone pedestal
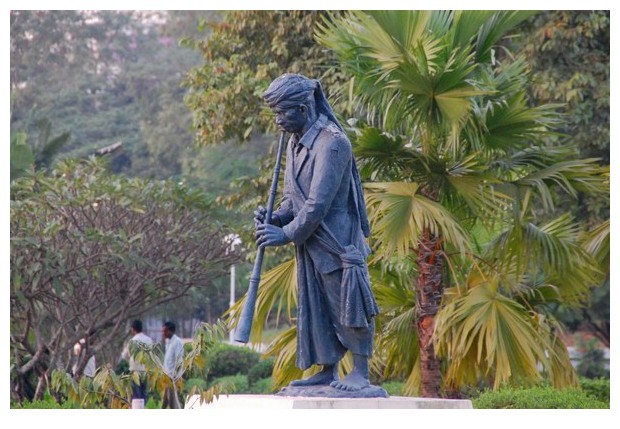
x,y
331,392
295,402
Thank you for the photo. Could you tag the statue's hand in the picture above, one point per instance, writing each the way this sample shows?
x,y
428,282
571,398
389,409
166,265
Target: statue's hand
x,y
270,235
259,215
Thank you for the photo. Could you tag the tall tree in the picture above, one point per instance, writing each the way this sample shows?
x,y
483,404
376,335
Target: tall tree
x,y
89,251
569,52
245,52
464,147
475,118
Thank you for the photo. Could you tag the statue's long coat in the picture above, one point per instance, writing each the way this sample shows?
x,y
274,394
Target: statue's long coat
x,y
320,213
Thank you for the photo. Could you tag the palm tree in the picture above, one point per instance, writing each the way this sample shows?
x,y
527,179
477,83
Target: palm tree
x,y
458,174
451,143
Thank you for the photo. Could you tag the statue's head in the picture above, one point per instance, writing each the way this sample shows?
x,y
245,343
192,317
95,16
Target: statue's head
x,y
292,98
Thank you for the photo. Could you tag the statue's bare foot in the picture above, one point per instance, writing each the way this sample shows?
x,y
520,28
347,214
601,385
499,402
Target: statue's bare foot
x,y
352,382
325,377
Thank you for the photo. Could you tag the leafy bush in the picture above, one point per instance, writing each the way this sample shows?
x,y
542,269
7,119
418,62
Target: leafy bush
x,y
537,397
233,384
263,386
227,360
597,388
47,403
393,388
152,404
263,369
201,383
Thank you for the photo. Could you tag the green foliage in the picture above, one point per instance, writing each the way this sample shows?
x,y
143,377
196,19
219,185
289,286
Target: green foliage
x,y
112,390
86,244
21,155
47,403
598,388
108,76
239,384
393,388
245,52
263,386
446,130
569,55
263,369
537,398
151,404
229,360
452,140
232,383
198,382
122,367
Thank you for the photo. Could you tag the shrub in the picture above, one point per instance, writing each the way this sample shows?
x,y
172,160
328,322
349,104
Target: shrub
x,y
263,369
47,403
227,360
263,386
199,382
537,397
152,404
233,383
597,388
393,388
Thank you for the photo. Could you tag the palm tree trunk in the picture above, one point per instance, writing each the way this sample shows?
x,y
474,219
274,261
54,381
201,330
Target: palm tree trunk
x,y
429,291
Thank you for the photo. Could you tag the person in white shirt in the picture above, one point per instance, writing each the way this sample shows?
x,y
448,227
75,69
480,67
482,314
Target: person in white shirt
x,y
173,361
139,390
91,366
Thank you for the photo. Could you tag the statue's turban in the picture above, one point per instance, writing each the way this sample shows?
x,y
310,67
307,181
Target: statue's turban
x,y
290,90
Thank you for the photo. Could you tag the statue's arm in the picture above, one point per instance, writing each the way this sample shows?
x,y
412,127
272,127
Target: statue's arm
x,y
331,160
284,214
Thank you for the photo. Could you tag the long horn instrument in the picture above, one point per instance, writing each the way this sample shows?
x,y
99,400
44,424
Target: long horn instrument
x,y
242,332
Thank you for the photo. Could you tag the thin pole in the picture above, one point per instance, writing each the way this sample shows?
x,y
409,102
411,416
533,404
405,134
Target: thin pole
x,y
232,297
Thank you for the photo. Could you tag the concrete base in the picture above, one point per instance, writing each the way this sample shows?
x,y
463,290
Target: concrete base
x,y
288,402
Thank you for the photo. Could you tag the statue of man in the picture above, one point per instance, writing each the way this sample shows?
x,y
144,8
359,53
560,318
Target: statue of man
x,y
323,213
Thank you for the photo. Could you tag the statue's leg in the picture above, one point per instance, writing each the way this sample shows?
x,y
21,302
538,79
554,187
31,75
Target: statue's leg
x,y
357,379
328,374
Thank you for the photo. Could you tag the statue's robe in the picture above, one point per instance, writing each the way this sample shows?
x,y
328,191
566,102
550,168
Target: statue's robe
x,y
322,214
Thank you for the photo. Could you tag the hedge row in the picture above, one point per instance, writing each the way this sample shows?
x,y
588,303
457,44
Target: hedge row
x,y
537,397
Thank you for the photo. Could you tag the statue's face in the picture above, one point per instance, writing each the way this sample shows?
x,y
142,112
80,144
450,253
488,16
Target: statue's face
x,y
290,119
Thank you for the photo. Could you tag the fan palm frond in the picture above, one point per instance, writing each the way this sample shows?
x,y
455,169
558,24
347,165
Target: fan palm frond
x,y
399,214
283,349
494,28
570,176
553,249
384,157
489,336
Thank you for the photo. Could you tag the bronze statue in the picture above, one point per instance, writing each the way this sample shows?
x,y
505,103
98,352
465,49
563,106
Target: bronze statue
x,y
323,213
